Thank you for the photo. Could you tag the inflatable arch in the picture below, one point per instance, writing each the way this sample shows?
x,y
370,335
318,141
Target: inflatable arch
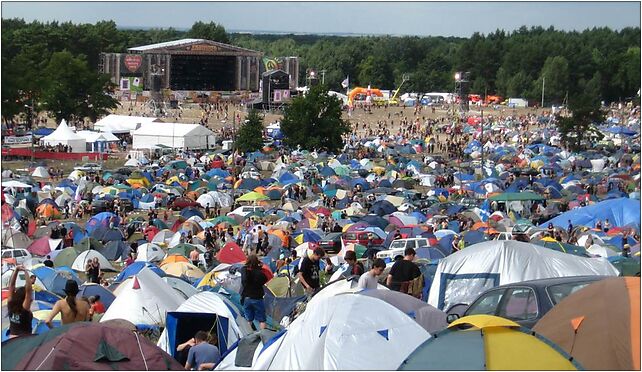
x,y
365,91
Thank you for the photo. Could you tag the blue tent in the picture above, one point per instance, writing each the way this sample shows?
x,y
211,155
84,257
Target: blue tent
x,y
430,253
191,211
56,283
135,267
310,236
621,130
620,212
91,289
288,178
382,208
101,219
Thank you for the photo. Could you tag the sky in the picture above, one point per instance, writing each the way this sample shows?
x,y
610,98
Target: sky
x,y
460,19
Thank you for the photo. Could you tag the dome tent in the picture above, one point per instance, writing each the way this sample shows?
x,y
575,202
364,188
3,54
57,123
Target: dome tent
x,y
463,275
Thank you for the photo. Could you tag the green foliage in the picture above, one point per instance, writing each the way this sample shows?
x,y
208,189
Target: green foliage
x,y
578,130
250,135
72,90
314,121
208,31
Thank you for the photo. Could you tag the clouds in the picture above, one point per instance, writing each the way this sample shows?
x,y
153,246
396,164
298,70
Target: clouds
x,y
408,18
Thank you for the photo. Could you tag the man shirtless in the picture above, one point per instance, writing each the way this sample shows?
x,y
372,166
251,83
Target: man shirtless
x,y
72,310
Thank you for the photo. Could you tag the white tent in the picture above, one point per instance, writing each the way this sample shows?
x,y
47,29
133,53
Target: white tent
x,y
122,123
344,332
15,239
40,172
231,324
97,141
64,135
181,287
176,135
463,275
149,252
81,260
146,299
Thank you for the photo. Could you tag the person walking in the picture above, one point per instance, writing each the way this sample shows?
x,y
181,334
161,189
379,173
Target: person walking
x,y
309,269
19,305
252,280
370,280
71,309
403,271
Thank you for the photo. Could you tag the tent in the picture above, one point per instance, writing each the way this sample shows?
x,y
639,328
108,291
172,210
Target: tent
x,y
65,136
231,253
122,123
203,311
335,334
85,346
181,286
242,355
599,325
81,260
135,268
620,212
145,300
93,289
175,135
40,172
96,141
463,275
15,239
493,343
150,252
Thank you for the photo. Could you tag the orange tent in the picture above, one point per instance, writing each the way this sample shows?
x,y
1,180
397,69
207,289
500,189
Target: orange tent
x,y
599,325
480,225
48,210
174,258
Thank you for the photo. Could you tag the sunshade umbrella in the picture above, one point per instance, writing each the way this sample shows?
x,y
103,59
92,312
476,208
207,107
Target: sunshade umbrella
x,y
599,325
493,343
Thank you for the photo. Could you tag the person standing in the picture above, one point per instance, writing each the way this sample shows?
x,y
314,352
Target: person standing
x,y
253,279
403,271
71,309
193,256
370,280
309,269
19,305
354,268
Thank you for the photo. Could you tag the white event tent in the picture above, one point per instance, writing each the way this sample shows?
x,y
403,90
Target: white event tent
x,y
123,123
175,135
64,135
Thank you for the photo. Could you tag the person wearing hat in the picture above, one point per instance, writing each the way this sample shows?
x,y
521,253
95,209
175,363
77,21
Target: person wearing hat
x,y
72,310
626,250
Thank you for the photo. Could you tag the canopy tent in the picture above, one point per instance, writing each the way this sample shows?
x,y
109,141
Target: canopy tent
x,y
463,275
175,135
328,336
65,136
599,325
97,141
204,310
122,123
144,300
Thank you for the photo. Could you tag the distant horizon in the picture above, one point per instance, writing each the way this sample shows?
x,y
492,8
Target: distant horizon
x,y
437,19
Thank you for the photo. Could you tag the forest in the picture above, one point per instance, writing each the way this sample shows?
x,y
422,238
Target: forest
x,y
601,62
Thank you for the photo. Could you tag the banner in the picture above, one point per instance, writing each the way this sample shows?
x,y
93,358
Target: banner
x,y
13,140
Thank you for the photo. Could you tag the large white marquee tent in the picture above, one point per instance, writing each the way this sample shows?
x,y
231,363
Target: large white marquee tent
x,y
64,135
122,123
175,135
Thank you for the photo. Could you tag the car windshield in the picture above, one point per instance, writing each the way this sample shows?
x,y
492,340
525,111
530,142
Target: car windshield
x,y
558,292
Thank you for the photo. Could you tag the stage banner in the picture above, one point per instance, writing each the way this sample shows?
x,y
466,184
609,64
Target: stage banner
x,y
14,140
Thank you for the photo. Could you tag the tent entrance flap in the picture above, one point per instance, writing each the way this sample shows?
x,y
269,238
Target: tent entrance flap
x,y
464,288
183,326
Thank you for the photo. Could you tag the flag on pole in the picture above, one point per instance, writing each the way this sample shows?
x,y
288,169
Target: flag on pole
x,y
346,82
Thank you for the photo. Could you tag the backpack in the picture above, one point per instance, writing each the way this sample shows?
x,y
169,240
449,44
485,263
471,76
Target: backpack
x,y
416,286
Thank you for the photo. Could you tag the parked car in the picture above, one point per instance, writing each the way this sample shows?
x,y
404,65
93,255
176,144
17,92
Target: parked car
x,y
20,255
89,167
245,210
361,237
179,203
331,242
525,302
397,247
101,205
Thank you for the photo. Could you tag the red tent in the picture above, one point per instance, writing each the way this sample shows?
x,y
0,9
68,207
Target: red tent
x,y
41,247
150,232
231,253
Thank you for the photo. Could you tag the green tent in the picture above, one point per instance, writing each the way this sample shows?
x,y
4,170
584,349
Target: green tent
x,y
183,249
516,196
252,196
88,243
66,257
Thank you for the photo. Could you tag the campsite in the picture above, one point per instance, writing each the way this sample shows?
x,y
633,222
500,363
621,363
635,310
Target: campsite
x,y
188,200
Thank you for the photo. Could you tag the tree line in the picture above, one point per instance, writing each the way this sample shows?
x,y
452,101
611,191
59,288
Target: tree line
x,y
43,60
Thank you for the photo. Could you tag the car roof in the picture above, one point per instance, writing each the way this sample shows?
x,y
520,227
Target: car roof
x,y
554,281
